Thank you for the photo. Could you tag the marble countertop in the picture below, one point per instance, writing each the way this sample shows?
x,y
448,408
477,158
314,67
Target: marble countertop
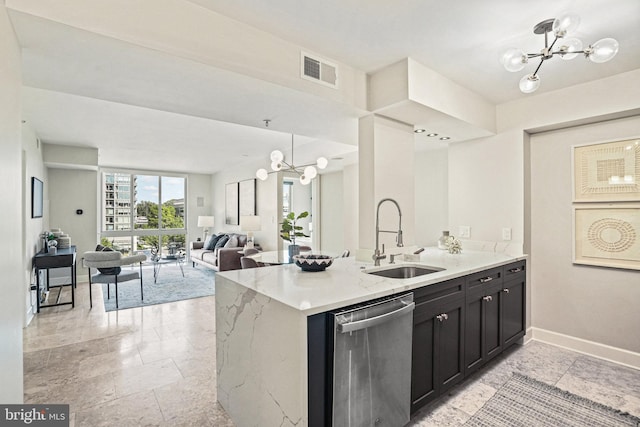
x,y
345,283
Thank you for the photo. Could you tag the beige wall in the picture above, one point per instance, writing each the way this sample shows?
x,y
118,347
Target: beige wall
x,y
591,303
12,285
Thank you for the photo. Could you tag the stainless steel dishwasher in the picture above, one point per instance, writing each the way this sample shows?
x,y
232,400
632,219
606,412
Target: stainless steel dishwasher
x,y
372,363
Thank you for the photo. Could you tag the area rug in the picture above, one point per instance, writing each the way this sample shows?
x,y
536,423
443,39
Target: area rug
x,y
170,286
523,401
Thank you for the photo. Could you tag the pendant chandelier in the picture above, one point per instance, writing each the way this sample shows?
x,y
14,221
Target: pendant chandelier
x,y
305,172
567,48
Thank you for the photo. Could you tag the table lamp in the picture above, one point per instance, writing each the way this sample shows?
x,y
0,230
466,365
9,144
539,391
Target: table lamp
x,y
250,223
206,222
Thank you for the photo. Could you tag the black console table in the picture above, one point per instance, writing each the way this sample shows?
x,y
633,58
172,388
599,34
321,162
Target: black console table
x,y
63,258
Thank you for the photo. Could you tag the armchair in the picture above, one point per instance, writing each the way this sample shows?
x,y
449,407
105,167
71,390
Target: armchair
x,y
102,260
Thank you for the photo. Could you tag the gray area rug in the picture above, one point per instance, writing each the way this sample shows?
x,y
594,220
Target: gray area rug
x,y
171,286
523,401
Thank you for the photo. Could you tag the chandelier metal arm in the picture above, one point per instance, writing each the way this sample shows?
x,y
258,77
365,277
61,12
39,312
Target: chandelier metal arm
x,y
535,73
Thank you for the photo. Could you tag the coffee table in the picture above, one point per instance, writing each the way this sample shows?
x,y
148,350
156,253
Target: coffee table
x,y
159,262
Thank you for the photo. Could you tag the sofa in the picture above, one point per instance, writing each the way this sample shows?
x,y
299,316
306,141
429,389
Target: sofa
x,y
222,258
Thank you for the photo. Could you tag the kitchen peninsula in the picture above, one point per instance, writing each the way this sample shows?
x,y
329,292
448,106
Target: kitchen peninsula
x,y
262,333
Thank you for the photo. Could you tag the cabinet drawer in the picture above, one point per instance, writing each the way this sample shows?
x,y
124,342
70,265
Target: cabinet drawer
x,y
515,269
476,281
439,292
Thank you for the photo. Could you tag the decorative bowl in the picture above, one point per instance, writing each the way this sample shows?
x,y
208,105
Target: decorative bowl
x,y
312,262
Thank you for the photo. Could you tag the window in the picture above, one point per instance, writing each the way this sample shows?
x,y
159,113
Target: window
x,y
140,212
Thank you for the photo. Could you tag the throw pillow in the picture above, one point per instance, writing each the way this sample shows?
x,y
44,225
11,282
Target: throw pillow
x,y
109,271
232,242
210,243
222,241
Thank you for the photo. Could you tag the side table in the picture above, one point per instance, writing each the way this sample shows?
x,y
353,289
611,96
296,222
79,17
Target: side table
x,y
63,258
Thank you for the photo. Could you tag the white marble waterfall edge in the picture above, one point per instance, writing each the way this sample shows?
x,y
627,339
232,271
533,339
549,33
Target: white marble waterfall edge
x,y
265,341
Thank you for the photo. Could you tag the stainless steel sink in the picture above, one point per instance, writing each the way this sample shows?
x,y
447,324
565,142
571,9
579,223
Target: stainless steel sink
x,y
404,271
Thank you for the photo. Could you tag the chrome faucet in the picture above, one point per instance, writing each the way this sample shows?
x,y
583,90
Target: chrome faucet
x,y
377,255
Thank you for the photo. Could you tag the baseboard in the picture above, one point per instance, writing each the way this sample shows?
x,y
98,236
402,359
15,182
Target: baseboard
x,y
590,348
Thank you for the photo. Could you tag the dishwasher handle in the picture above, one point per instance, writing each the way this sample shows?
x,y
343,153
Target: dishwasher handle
x,y
367,323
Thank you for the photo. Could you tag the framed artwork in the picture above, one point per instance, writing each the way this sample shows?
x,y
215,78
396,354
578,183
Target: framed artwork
x,y
37,195
247,197
607,172
607,235
231,215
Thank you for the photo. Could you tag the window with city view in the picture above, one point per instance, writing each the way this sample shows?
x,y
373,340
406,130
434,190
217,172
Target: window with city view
x,y
143,212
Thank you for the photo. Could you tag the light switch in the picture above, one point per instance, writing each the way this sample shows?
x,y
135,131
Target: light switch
x,y
506,233
464,231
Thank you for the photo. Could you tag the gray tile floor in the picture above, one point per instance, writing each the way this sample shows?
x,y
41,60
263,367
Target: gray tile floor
x,y
156,366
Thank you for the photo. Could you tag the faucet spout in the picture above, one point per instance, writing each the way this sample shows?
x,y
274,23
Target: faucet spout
x,y
377,256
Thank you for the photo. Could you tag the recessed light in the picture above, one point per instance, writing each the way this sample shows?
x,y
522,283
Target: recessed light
x,y
420,130
444,138
432,134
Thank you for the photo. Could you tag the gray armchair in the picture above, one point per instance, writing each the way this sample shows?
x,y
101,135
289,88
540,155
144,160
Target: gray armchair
x,y
108,265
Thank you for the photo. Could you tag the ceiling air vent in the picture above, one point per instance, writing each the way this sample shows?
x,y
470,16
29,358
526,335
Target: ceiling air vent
x,y
319,70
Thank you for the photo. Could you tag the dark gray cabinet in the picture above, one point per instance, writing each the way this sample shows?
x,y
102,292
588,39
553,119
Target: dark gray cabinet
x,y
483,332
514,291
438,340
461,324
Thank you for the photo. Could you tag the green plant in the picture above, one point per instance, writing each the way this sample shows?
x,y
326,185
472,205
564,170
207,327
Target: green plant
x,y
290,230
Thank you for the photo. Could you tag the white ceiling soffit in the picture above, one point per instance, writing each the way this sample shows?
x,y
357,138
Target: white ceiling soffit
x,y
462,40
144,138
86,89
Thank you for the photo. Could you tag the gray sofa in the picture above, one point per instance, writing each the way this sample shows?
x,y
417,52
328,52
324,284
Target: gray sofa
x,y
221,259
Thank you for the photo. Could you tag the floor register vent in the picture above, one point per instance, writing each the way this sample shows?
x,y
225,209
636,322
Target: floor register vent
x,y
319,70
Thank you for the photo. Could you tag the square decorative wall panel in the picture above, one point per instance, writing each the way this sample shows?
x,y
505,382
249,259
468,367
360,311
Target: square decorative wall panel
x,y
607,235
607,172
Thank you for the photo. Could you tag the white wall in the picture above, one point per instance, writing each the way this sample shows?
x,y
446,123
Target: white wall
x,y
332,212
486,188
591,303
71,189
198,186
11,227
33,166
432,194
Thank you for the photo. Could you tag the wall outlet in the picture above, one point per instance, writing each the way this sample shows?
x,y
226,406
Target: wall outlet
x,y
464,231
506,233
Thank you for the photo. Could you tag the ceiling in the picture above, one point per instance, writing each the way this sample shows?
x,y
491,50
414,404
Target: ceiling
x,y
146,109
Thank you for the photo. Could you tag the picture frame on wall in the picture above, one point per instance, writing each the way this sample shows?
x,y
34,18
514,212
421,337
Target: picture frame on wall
x,y
607,172
232,216
607,235
37,198
247,196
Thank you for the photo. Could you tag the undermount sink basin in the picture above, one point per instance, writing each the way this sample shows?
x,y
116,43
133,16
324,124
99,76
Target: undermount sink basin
x,y
405,271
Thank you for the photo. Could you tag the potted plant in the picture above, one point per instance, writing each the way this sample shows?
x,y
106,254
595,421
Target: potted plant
x,y
290,230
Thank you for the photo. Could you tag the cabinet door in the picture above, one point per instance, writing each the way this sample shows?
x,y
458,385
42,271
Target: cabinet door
x,y
473,331
437,353
450,346
492,334
423,370
513,310
483,332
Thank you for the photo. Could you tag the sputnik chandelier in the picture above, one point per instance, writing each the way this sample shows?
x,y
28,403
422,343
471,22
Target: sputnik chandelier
x,y
305,172
515,59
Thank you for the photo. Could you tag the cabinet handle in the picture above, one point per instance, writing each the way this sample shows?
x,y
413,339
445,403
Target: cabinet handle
x,y
486,279
442,317
515,270
488,298
505,290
